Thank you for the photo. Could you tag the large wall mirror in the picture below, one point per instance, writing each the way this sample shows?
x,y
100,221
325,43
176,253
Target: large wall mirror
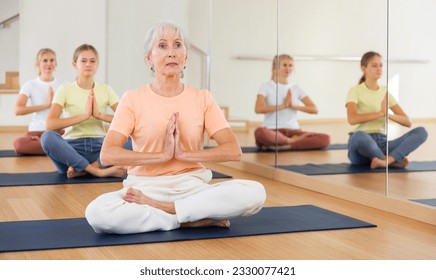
x,y
412,68
327,44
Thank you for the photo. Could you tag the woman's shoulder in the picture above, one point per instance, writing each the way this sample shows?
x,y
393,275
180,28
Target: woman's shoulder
x,y
267,86
189,88
193,91
67,86
32,82
357,88
102,86
136,93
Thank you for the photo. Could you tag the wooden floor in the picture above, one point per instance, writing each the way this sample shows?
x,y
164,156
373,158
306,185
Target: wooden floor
x,y
395,237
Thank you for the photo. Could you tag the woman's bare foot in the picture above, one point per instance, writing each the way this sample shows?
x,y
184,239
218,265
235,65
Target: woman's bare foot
x,y
381,163
71,173
297,138
112,171
274,147
94,169
283,147
263,147
136,196
401,164
378,163
208,223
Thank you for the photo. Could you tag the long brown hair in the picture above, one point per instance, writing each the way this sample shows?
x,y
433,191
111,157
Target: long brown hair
x,y
276,64
84,47
364,61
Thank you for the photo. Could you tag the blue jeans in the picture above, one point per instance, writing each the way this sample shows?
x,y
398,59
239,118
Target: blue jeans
x,y
78,153
363,147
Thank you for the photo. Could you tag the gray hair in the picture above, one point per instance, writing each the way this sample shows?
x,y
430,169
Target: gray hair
x,y
158,29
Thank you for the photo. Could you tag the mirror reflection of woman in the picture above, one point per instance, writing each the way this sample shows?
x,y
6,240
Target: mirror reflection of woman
x,y
367,106
291,99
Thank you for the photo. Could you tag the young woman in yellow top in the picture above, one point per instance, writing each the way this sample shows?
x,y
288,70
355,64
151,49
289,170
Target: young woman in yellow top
x,y
366,109
83,105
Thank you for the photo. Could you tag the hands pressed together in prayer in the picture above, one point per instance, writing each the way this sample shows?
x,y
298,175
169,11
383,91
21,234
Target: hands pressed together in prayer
x,y
92,107
173,148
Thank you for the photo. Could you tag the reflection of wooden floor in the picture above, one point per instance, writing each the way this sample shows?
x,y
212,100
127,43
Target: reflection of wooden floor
x,y
395,237
413,185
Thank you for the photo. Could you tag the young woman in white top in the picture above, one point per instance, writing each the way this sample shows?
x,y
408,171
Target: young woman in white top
x,y
280,100
35,98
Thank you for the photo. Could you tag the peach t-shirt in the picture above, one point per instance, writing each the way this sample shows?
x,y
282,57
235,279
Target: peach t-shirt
x,y
144,115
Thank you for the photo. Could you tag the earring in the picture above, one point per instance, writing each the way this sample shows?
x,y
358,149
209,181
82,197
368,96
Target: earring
x,y
152,68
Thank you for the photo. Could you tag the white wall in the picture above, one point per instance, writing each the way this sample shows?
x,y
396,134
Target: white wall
x,y
62,25
128,22
8,38
9,43
239,28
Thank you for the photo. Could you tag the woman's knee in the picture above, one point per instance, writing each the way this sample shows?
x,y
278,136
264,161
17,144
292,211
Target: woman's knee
x,y
99,214
20,144
48,138
421,133
255,192
95,216
359,135
324,140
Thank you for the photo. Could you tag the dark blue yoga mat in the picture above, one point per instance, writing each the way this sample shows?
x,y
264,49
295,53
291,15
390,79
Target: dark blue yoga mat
x,y
76,233
347,168
54,178
427,201
12,153
254,149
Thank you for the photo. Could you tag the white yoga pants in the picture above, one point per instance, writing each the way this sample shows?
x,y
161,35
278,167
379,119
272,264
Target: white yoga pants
x,y
193,197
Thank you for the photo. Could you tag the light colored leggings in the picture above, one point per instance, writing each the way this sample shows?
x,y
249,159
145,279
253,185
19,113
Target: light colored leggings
x,y
194,200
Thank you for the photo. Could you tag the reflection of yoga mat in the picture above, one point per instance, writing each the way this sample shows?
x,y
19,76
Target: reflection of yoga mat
x,y
54,178
346,168
12,153
76,233
254,149
427,201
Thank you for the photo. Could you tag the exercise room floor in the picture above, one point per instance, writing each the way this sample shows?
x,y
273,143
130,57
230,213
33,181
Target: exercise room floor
x,y
395,237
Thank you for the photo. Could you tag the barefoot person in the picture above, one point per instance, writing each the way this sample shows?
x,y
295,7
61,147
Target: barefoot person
x,y
367,106
167,187
83,105
280,100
